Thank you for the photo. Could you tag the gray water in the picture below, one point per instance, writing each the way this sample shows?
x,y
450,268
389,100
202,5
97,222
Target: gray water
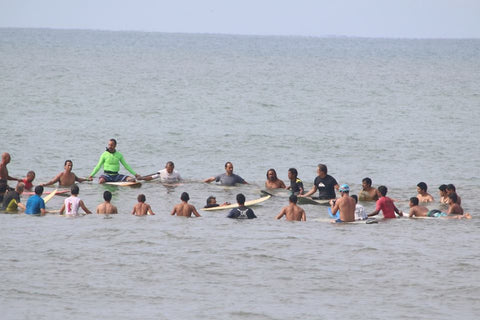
x,y
398,111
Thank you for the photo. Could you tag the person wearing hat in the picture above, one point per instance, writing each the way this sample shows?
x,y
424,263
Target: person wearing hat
x,y
345,204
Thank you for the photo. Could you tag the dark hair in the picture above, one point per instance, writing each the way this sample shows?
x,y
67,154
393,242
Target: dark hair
x,y
31,172
354,196
240,198
451,187
170,162
293,171
38,190
184,197
453,196
67,161
3,186
443,187
75,189
422,186
107,196
274,172
114,141
226,163
141,198
293,198
414,200
367,180
209,199
322,168
383,190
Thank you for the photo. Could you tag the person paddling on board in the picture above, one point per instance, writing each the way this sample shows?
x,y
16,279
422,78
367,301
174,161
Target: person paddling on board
x,y
345,204
66,178
292,212
228,178
110,160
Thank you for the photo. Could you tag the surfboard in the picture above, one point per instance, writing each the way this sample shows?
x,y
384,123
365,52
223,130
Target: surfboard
x,y
309,200
124,183
300,200
45,193
330,220
50,196
235,205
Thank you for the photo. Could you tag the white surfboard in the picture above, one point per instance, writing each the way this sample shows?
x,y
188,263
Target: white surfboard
x,y
235,205
124,183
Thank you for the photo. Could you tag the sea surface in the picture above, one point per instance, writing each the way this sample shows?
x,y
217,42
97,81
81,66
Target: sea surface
x,y
398,111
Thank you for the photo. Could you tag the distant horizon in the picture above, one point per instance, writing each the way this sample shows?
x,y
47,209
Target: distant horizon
x,y
244,35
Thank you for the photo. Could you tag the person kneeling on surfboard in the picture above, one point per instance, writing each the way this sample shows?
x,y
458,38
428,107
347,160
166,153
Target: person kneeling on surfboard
x,y
345,204
241,212
110,160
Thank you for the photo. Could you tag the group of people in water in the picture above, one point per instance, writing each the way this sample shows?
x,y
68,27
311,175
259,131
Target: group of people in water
x,y
347,206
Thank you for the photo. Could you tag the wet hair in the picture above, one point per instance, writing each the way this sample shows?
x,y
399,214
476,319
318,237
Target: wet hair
x,y
20,187
240,198
414,200
354,196
443,187
274,173
293,171
227,163
67,161
38,190
383,190
114,141
107,196
322,168
141,198
75,189
453,197
293,198
422,186
31,172
367,180
209,199
170,163
451,187
184,197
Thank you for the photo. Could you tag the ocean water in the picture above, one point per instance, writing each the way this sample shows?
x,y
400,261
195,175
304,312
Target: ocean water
x,y
398,111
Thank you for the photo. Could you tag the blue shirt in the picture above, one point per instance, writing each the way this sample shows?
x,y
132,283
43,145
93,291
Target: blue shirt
x,y
34,204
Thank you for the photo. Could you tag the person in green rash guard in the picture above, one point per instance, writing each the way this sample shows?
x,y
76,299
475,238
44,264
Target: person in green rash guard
x,y
111,159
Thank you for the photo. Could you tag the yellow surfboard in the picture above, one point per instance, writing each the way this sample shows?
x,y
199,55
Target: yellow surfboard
x,y
50,196
235,205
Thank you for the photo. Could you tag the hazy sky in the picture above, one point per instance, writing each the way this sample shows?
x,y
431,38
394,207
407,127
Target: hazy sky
x,y
368,18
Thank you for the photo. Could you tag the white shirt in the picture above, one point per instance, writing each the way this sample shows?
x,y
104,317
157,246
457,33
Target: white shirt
x,y
167,177
360,213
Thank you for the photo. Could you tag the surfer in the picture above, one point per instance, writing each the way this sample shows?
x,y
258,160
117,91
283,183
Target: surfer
x,y
11,199
167,175
110,160
423,195
386,205
184,209
292,212
65,178
451,189
324,183
28,180
296,185
345,204
228,178
142,208
455,211
360,213
273,182
241,212
107,207
73,203
3,168
442,190
212,203
416,210
35,204
368,192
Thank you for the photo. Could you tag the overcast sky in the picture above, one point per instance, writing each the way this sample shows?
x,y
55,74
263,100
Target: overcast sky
x,y
367,18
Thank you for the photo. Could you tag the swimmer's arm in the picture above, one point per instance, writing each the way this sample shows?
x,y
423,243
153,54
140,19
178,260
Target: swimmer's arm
x,y
149,210
400,213
195,212
54,180
374,213
411,213
62,208
98,209
134,207
281,214
335,207
209,180
304,216
312,191
82,205
79,179
173,211
21,205
42,211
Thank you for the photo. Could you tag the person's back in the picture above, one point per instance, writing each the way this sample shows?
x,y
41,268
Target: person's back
x,y
360,213
72,204
345,204
241,212
106,207
35,204
184,209
11,199
142,208
292,212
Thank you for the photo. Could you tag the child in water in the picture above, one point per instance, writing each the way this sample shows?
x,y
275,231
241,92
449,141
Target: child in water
x,y
142,208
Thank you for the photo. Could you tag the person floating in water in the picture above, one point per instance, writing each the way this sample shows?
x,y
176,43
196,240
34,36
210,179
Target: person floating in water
x,y
66,178
184,209
142,208
228,178
292,212
272,181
